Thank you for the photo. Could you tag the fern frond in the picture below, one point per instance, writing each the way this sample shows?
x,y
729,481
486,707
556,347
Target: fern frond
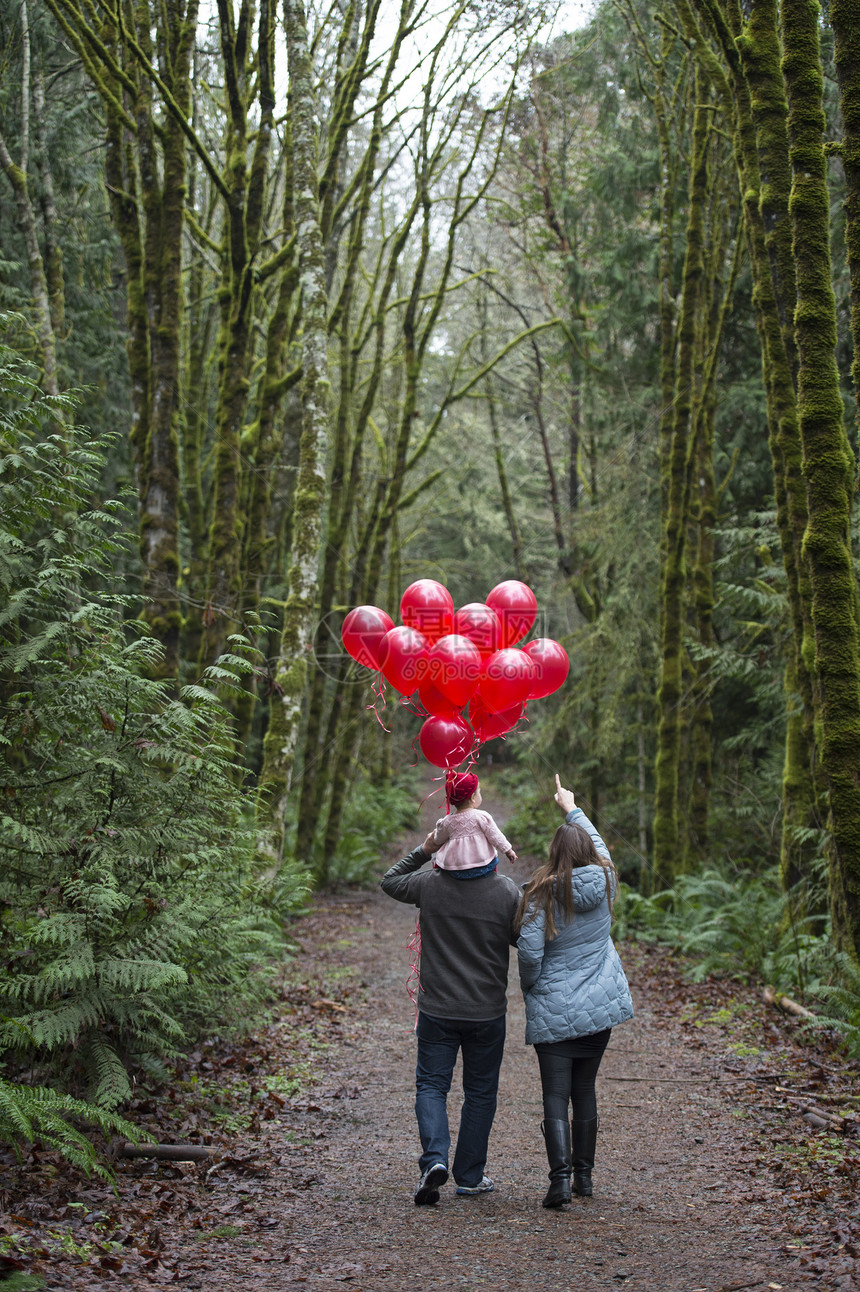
x,y
109,1083
30,1112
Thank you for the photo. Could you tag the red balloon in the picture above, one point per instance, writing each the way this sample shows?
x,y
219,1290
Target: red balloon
x,y
403,658
436,704
551,666
481,625
486,725
362,633
445,742
507,680
516,606
428,607
455,667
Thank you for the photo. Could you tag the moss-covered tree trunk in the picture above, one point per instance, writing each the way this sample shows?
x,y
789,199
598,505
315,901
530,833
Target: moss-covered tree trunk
x,y
845,23
760,51
662,95
720,294
163,197
750,82
146,172
53,255
197,377
39,293
17,174
309,501
270,436
248,148
676,489
828,467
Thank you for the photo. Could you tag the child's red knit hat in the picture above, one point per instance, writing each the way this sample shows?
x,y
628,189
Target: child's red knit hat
x,y
462,787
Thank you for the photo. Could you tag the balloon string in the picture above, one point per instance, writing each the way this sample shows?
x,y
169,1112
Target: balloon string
x,y
432,792
378,689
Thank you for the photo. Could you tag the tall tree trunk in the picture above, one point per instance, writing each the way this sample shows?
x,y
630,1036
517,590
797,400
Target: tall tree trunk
x,y
164,204
53,251
828,467
760,51
675,521
754,95
724,227
18,178
310,496
247,172
845,24
146,175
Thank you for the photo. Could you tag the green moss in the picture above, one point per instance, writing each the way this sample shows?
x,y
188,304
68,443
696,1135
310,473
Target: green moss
x,y
845,24
827,468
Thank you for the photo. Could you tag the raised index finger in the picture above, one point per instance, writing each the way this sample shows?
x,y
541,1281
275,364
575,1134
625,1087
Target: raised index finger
x,y
557,781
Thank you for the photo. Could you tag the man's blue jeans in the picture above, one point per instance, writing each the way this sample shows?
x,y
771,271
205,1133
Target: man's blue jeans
x,y
482,1044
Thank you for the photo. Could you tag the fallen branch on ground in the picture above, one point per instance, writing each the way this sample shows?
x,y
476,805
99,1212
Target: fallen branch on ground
x,y
785,1004
168,1152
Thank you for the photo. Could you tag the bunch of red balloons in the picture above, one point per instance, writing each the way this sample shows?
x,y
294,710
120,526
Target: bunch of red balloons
x,y
452,659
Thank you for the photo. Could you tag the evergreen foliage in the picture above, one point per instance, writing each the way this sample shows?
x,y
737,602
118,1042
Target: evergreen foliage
x,y
733,922
373,815
31,1112
133,917
843,1000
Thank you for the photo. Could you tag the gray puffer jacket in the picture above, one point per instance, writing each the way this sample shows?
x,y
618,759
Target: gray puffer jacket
x,y
574,984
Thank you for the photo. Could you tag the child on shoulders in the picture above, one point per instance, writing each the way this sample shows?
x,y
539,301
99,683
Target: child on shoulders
x,y
468,839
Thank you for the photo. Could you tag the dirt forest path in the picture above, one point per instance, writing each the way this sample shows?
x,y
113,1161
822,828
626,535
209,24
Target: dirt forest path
x,y
672,1207
698,1185
658,1219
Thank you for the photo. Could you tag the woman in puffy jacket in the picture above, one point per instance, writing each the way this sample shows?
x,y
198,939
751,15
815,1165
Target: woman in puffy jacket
x,y
575,989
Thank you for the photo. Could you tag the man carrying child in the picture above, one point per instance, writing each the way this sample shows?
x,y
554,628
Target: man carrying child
x,y
467,928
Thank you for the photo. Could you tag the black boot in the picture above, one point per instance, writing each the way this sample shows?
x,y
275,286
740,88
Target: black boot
x,y
557,1137
584,1137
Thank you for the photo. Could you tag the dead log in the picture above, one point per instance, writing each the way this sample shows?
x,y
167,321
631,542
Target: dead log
x,y
818,1123
785,1004
168,1152
820,1117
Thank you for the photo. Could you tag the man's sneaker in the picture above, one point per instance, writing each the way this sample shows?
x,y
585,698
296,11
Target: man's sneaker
x,y
428,1187
467,1190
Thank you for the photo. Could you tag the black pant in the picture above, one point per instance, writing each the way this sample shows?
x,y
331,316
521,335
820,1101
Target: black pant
x,y
568,1070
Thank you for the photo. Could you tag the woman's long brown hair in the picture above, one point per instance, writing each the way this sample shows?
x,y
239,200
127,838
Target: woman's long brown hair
x,y
550,885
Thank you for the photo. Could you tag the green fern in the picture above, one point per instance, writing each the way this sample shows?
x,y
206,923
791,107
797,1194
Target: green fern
x,y
735,923
29,1113
133,914
843,997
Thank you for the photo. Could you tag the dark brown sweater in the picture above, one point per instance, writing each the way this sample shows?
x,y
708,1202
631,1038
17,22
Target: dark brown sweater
x,y
466,935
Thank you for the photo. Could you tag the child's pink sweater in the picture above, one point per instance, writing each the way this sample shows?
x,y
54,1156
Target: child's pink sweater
x,y
469,838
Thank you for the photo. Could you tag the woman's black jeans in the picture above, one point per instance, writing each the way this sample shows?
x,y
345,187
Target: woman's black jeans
x,y
568,1070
